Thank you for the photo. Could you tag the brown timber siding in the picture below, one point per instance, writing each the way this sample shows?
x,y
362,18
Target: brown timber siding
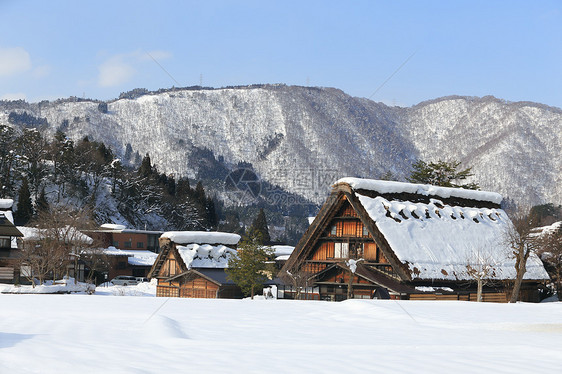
x,y
370,251
167,289
170,267
325,251
493,297
313,268
199,288
348,211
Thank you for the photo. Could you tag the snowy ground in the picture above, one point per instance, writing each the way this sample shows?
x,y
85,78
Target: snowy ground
x,y
103,333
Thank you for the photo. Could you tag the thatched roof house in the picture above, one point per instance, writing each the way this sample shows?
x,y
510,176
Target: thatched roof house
x,y
408,240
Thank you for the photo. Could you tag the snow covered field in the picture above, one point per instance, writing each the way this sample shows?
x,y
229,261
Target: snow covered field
x,y
108,333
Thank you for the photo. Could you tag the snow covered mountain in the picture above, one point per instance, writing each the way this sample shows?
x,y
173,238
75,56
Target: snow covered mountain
x,y
303,138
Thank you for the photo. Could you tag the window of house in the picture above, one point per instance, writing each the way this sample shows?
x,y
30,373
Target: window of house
x,y
116,244
333,230
5,242
151,242
358,250
365,231
341,250
140,245
128,244
171,267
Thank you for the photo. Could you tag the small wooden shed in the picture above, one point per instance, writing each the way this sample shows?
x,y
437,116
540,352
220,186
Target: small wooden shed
x,y
193,263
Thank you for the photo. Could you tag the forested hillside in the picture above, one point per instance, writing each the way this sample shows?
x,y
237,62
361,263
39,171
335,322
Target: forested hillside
x,y
293,142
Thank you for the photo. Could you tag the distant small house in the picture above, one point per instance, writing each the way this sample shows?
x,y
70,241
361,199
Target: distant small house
x,y
72,238
129,252
9,271
193,263
134,262
118,236
381,239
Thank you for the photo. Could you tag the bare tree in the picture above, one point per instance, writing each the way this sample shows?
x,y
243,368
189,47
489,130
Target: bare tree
x,y
480,267
352,266
299,279
522,242
56,242
551,254
36,259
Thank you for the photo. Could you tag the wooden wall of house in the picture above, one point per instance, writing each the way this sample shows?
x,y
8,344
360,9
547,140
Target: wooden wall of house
x,y
314,267
343,278
326,251
170,266
130,240
199,288
493,297
196,288
370,251
118,265
167,289
346,227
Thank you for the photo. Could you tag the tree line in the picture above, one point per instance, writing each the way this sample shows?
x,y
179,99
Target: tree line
x,y
40,171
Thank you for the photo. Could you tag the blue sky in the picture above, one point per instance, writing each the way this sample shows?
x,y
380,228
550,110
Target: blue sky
x,y
98,49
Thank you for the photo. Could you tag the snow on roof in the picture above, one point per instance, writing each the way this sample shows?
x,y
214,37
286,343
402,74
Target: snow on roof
x,y
6,203
387,187
121,229
202,237
112,226
205,256
68,233
282,250
9,215
135,257
437,241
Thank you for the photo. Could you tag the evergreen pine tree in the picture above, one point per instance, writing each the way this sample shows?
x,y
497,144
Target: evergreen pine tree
x,y
171,186
25,208
259,228
183,188
145,169
201,204
200,193
211,213
249,268
128,152
441,173
231,223
42,205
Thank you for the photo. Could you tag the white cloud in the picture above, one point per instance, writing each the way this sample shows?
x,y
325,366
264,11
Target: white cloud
x,y
115,71
13,61
14,96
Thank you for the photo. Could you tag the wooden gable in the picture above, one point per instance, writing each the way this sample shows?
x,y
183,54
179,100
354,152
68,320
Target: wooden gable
x,y
190,283
343,230
345,236
171,266
168,263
